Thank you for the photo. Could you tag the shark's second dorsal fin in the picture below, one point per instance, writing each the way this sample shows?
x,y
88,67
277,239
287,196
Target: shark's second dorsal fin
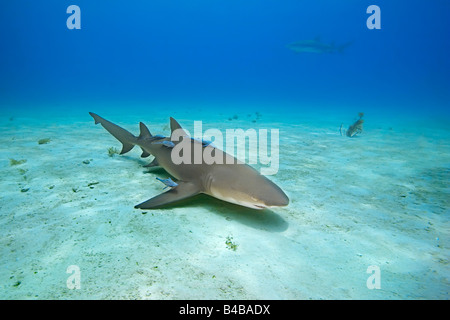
x,y
144,132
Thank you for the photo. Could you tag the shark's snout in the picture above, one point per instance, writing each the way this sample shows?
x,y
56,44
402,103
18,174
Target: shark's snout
x,y
269,194
276,199
279,199
256,193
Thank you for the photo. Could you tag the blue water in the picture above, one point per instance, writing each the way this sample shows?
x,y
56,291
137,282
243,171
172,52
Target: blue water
x,y
379,199
225,53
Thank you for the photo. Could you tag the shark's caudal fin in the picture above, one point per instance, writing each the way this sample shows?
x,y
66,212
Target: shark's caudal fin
x,y
126,138
182,191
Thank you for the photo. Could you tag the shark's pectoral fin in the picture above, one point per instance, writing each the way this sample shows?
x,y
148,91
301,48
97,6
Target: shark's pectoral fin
x,y
182,191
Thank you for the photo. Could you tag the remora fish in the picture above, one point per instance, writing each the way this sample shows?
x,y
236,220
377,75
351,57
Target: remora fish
x,y
231,181
316,46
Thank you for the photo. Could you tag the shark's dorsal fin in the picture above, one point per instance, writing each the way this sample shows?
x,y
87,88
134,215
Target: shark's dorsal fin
x,y
145,133
174,125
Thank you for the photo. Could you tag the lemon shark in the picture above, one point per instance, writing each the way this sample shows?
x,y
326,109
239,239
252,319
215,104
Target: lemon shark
x,y
316,46
228,179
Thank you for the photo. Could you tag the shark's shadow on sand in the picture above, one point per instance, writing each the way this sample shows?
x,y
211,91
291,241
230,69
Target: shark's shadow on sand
x,y
258,219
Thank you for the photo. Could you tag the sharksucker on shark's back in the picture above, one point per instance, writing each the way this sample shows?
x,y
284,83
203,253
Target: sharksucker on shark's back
x,y
231,181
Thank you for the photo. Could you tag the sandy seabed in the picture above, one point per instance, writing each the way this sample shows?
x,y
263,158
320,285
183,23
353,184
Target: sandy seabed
x,y
381,199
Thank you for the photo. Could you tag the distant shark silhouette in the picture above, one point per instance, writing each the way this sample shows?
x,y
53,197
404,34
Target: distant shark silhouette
x,y
232,181
316,46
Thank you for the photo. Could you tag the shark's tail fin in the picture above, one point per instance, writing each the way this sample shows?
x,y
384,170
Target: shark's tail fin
x,y
126,138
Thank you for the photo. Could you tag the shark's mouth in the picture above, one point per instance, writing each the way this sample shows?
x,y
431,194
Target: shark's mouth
x,y
259,206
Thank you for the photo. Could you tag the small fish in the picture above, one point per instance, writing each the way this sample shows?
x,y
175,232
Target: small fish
x,y
204,142
357,127
168,182
168,144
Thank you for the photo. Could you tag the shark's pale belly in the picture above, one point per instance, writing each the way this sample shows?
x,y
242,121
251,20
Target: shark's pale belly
x,y
235,198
